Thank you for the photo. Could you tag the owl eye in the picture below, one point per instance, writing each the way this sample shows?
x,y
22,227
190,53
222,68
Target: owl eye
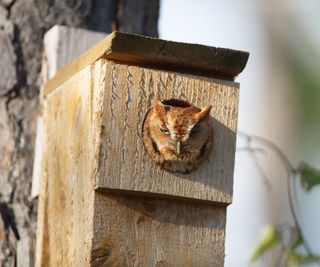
x,y
165,131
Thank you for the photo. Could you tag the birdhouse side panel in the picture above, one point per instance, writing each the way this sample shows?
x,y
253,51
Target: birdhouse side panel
x,y
67,192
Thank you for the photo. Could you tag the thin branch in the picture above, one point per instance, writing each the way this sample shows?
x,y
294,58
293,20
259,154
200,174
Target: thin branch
x,y
271,146
291,171
260,169
254,151
251,149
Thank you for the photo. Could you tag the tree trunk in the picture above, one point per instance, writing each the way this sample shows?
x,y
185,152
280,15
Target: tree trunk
x,y
22,26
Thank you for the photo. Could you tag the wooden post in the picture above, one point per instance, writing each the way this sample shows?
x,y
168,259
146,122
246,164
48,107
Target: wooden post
x,y
62,44
103,201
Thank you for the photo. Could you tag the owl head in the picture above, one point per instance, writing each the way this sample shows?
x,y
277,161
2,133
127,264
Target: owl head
x,y
180,133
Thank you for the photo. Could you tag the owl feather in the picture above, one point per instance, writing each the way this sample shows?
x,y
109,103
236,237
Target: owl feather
x,y
178,135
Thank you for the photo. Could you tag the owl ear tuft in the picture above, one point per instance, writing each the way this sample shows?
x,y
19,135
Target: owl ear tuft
x,y
159,108
204,113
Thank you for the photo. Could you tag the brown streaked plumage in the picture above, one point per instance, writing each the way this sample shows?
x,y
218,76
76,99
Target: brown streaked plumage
x,y
178,135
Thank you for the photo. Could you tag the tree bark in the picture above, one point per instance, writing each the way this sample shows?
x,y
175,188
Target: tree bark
x,y
22,26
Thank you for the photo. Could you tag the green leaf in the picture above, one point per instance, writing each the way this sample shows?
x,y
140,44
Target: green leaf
x,y
292,255
310,177
296,259
269,239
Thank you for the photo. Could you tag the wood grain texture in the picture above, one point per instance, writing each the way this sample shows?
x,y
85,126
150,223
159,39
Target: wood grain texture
x,y
151,52
124,164
65,216
183,57
139,231
62,44
95,158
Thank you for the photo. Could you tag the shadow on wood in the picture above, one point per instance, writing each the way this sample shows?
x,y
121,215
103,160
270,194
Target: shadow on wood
x,y
151,230
93,115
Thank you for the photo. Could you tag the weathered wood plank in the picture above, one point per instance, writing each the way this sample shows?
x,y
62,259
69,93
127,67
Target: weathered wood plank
x,y
183,57
64,233
93,124
104,202
124,164
139,231
150,52
62,44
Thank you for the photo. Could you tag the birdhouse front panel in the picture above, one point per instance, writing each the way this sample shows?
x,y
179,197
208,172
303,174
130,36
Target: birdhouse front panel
x,y
126,95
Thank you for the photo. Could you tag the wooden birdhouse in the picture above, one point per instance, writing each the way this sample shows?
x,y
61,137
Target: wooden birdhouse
x,y
103,200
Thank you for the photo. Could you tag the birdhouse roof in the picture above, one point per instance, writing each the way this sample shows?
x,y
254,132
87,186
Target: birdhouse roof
x,y
144,51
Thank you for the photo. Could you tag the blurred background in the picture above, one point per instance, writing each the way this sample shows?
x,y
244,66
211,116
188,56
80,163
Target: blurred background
x,y
279,100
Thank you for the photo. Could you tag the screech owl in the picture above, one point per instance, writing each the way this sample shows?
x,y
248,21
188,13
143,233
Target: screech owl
x,y
178,135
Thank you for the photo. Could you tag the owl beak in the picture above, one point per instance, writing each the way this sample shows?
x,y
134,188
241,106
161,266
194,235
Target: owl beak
x,y
178,147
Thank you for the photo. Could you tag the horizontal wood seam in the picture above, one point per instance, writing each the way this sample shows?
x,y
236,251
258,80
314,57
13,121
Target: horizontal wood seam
x,y
104,190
